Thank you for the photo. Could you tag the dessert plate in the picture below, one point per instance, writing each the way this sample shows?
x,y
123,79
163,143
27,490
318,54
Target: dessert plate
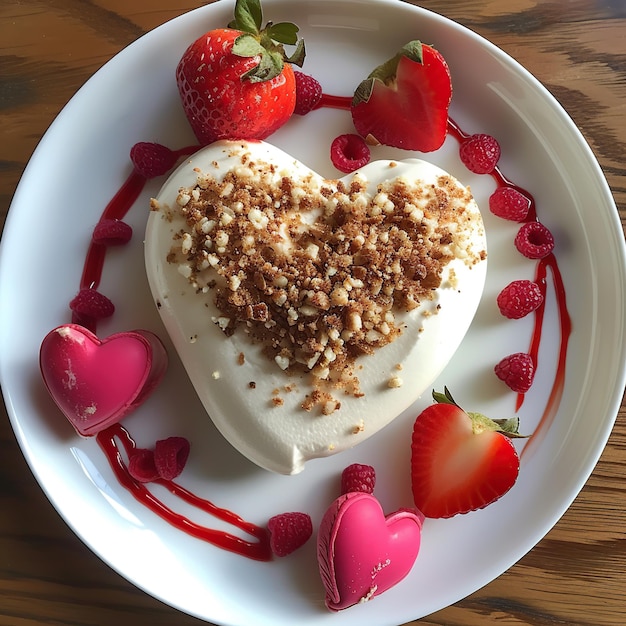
x,y
81,165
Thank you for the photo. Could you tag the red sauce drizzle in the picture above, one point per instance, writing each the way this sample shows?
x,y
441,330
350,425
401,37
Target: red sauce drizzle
x,y
116,210
334,102
259,550
565,323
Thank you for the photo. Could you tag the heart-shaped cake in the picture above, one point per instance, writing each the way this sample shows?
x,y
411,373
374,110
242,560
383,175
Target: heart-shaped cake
x,y
97,382
361,553
308,312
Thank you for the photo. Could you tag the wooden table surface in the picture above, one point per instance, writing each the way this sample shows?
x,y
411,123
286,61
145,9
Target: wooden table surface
x,y
576,574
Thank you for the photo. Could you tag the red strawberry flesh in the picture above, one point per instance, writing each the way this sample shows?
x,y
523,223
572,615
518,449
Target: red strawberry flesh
x,y
409,108
456,466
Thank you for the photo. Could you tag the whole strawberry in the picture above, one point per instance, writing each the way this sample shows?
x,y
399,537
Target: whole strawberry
x,y
237,82
460,461
404,102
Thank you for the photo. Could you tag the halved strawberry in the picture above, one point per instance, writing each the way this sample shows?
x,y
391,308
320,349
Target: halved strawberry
x,y
404,102
237,82
460,461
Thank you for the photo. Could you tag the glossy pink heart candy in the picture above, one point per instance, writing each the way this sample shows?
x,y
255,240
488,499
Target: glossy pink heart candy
x,y
361,553
97,382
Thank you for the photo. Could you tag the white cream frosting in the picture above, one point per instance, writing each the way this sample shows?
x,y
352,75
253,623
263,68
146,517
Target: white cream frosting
x,y
255,404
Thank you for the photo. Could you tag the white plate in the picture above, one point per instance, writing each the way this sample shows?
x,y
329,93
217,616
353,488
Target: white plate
x,y
82,160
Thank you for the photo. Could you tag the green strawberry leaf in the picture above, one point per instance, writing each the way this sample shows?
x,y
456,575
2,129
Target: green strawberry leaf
x,y
270,66
297,58
386,73
388,70
283,32
444,398
247,46
265,43
248,16
510,427
413,50
480,423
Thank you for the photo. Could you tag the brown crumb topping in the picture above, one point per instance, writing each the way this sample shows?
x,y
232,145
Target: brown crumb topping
x,y
317,271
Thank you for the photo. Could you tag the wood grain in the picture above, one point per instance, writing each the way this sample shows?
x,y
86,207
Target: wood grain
x,y
577,574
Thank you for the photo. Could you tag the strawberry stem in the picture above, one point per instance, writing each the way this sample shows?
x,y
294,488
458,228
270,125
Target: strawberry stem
x,y
266,43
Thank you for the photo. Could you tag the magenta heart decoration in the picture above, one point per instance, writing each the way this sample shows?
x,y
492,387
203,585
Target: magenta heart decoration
x,y
361,553
97,382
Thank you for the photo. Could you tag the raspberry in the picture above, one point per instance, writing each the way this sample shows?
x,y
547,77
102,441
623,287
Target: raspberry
x,y
152,159
308,93
170,456
519,298
357,477
91,303
112,232
510,204
534,240
141,465
517,371
480,153
288,532
349,152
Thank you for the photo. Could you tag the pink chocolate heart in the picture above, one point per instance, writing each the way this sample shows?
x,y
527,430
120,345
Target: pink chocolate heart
x,y
97,382
361,553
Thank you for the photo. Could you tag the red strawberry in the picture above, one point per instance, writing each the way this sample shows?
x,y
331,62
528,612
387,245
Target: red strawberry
x,y
289,531
237,83
460,461
404,102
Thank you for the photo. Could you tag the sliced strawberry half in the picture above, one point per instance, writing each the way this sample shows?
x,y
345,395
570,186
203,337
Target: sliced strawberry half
x,y
404,102
460,461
